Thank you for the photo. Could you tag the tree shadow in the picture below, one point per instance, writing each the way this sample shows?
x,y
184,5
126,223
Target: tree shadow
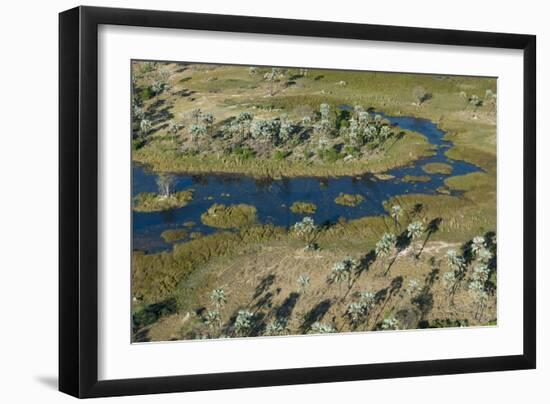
x,y
265,302
151,313
403,241
417,209
424,301
408,318
258,325
365,263
315,314
432,228
160,116
264,285
284,311
385,295
397,138
184,93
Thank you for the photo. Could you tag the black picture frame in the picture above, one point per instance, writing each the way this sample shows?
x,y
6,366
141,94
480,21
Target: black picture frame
x,y
78,201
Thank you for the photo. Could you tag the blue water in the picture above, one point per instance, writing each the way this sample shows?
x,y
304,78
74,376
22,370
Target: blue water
x,y
274,197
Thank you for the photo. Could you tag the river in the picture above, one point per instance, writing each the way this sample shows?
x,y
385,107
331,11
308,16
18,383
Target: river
x,y
273,198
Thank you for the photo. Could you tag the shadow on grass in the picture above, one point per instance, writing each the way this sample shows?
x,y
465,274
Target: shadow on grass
x,y
315,314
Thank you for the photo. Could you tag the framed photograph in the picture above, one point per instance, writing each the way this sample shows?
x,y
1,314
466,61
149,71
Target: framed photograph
x,y
250,201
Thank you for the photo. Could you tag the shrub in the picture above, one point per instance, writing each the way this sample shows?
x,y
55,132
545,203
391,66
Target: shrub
x,y
281,154
146,94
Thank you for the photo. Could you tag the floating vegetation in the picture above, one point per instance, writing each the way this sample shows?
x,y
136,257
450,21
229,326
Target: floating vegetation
x,y
384,177
152,202
227,217
416,178
437,168
349,199
303,208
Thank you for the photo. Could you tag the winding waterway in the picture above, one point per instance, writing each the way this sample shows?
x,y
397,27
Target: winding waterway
x,y
274,197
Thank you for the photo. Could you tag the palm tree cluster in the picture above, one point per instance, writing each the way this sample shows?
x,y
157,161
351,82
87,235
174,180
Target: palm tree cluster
x,y
342,271
481,261
358,310
365,128
212,318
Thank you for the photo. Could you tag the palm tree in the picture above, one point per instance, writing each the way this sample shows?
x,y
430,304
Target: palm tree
x,y
384,247
272,77
303,282
276,327
414,231
173,128
356,312
212,319
396,212
144,127
413,287
452,278
321,328
390,323
165,184
341,272
197,131
307,230
478,244
243,123
207,120
196,114
218,298
243,323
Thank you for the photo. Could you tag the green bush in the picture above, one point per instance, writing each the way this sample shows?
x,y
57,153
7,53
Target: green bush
x,y
244,153
330,155
146,94
281,154
138,144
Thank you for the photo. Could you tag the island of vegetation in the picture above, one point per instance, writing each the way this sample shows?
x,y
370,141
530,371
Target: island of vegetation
x,y
173,235
303,208
437,168
416,178
227,217
349,199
